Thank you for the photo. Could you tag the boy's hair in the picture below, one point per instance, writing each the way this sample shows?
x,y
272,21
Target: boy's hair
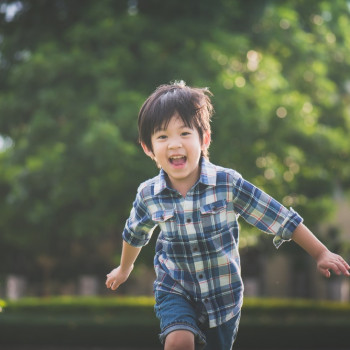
x,y
193,105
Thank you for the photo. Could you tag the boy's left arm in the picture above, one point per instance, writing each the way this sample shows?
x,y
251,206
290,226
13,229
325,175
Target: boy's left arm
x,y
325,259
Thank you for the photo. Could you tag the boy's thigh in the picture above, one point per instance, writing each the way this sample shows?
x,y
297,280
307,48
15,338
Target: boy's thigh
x,y
176,313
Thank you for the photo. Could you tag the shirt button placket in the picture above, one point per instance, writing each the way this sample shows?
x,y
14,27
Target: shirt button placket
x,y
191,230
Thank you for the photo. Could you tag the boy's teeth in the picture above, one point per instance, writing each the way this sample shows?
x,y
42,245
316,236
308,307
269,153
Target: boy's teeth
x,y
177,160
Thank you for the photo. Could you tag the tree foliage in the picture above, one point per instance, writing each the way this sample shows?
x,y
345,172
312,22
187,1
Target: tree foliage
x,y
73,75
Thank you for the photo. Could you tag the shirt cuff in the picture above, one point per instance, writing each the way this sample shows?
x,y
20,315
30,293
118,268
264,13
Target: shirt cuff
x,y
135,240
288,226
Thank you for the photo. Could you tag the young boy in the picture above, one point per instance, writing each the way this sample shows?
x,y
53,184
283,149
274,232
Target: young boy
x,y
198,287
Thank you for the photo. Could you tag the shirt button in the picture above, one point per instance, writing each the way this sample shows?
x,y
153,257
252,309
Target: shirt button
x,y
200,276
188,220
206,300
195,249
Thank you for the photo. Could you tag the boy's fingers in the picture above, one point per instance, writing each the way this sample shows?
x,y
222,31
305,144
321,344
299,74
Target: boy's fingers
x,y
109,283
114,285
341,267
344,268
347,266
336,267
325,272
335,263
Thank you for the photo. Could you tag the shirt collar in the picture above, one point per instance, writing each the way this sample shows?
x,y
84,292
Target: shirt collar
x,y
207,177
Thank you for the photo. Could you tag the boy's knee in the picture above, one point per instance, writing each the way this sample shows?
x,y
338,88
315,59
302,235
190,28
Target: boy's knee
x,y
179,340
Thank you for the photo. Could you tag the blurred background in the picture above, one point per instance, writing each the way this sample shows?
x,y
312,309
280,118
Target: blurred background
x,y
73,75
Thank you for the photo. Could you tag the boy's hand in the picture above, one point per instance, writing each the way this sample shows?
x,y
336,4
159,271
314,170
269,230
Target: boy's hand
x,y
330,261
118,276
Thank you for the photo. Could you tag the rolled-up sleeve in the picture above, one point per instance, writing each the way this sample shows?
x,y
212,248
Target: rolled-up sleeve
x,y
291,222
264,212
139,226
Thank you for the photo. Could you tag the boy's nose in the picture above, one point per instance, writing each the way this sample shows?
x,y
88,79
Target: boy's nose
x,y
175,144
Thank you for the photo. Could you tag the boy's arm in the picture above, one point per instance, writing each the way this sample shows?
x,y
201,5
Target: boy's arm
x,y
325,259
119,275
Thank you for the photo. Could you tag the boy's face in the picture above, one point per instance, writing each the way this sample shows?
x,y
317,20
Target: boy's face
x,y
177,149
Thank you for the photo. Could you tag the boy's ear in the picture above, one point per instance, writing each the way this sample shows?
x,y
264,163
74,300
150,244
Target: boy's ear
x,y
147,150
206,140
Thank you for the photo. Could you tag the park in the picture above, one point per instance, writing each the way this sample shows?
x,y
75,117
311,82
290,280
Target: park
x,y
73,76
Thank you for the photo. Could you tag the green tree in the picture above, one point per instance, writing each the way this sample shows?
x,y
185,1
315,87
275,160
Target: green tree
x,y
73,75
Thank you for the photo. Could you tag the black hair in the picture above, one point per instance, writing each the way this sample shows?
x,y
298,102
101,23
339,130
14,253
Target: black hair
x,y
193,105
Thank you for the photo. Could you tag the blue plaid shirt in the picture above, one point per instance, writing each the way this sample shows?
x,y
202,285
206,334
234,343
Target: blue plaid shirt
x,y
197,248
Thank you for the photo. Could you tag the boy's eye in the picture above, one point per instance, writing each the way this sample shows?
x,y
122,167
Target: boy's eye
x,y
185,133
161,137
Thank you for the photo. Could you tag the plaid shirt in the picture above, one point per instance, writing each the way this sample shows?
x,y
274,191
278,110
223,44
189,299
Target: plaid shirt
x,y
197,248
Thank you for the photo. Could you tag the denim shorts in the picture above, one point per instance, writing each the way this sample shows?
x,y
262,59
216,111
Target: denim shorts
x,y
175,312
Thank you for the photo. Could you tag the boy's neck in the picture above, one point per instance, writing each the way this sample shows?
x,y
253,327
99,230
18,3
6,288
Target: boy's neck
x,y
182,189
183,186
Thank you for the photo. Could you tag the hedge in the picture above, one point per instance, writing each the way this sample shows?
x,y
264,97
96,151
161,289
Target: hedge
x,y
130,322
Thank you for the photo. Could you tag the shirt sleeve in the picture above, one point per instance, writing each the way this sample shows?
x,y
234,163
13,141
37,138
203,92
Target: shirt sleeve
x,y
139,226
264,212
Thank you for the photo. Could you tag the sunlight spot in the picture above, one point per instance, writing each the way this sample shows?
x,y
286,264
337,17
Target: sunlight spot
x,y
269,174
252,55
281,112
5,143
132,7
331,39
288,201
288,176
261,162
228,84
327,16
236,65
240,82
253,60
317,19
10,10
284,24
307,107
222,59
347,86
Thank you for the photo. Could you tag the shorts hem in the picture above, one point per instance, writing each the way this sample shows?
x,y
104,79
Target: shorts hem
x,y
183,325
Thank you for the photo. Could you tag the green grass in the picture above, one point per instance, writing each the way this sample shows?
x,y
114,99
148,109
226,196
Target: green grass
x,y
296,304
73,304
98,321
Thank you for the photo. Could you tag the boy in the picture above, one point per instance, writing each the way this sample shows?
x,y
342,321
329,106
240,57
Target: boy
x,y
198,287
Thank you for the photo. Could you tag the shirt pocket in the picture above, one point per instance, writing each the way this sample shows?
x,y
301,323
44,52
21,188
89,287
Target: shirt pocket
x,y
166,221
214,216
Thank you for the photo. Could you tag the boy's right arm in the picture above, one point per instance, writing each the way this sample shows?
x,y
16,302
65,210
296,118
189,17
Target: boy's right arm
x,y
119,275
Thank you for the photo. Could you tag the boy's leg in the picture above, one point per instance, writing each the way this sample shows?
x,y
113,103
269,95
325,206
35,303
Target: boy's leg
x,y
178,321
179,340
223,336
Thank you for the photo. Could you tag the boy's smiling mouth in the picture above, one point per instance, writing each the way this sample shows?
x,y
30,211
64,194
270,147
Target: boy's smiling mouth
x,y
178,160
